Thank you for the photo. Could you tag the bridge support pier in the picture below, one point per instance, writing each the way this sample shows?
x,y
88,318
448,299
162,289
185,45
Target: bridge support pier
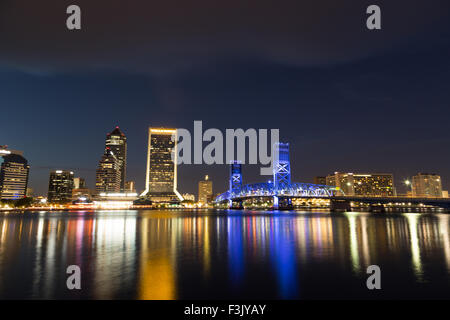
x,y
282,203
340,205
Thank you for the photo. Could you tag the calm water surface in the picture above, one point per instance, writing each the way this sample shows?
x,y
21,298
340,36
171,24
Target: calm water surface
x,y
223,255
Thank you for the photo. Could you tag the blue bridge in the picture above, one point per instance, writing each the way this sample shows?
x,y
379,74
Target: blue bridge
x,y
281,189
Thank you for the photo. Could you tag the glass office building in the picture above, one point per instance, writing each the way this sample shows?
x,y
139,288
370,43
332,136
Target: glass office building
x,y
60,186
108,173
161,176
13,176
116,141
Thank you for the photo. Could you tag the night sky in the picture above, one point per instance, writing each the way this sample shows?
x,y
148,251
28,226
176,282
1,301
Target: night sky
x,y
346,98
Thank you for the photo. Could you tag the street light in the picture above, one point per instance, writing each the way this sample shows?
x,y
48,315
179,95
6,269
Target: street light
x,y
408,184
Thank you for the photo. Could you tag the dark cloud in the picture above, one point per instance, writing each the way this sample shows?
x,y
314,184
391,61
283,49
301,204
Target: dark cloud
x,y
174,35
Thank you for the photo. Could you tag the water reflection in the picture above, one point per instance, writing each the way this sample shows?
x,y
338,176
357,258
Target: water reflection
x,y
177,255
415,247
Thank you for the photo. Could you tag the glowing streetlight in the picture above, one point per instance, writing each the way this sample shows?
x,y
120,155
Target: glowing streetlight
x,y
408,185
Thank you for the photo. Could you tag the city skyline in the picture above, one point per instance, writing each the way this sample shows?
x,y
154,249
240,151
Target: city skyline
x,y
400,186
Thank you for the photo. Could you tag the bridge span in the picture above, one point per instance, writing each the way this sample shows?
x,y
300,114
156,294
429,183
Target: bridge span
x,y
281,191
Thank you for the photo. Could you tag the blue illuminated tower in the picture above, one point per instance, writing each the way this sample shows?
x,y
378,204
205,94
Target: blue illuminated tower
x,y
235,176
281,167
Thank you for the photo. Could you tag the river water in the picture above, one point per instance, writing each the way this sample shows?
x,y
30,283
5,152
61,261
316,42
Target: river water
x,y
170,254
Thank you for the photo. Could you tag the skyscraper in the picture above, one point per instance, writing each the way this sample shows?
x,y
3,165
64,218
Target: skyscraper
x,y
116,141
13,176
108,173
205,190
427,185
161,177
60,186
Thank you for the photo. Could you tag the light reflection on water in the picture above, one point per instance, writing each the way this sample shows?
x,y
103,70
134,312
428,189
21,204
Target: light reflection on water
x,y
234,254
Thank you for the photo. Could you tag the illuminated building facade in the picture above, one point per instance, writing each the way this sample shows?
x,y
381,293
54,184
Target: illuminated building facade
x,y
14,173
362,184
161,177
79,183
116,141
205,190
81,193
130,186
60,186
427,185
108,173
189,197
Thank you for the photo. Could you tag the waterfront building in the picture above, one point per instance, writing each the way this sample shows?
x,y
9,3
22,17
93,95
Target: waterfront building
x,y
14,172
320,180
161,175
116,141
60,186
81,193
205,190
427,185
79,183
130,186
29,193
362,184
189,197
108,173
115,200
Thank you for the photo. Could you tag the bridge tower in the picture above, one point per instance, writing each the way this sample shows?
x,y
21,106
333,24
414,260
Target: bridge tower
x,y
235,178
281,167
235,175
281,174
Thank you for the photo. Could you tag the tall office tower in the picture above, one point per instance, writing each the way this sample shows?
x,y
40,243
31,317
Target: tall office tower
x,y
205,190
117,142
13,175
60,186
427,185
79,183
320,180
108,173
362,184
161,177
